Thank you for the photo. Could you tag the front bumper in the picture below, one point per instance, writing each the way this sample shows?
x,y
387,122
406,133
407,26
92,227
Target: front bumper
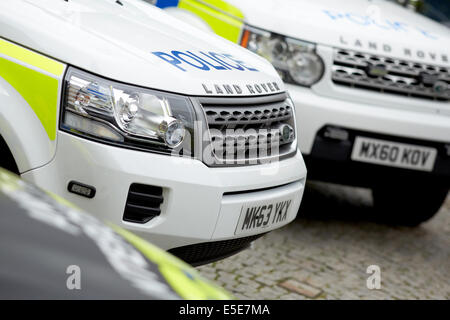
x,y
329,160
201,204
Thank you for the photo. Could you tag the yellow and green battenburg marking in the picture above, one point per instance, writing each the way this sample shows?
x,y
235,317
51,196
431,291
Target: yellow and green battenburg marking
x,y
34,77
225,19
183,279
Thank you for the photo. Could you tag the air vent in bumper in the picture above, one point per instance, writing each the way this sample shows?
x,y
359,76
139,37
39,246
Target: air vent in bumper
x,y
143,203
202,253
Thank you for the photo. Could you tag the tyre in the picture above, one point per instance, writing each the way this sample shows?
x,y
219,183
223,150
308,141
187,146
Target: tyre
x,y
407,205
6,158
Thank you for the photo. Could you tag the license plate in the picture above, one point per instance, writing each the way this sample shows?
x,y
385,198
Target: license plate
x,y
393,154
263,215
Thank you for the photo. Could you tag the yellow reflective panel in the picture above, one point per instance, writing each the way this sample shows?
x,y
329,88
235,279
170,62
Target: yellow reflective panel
x,y
9,182
183,279
39,91
224,7
32,58
223,18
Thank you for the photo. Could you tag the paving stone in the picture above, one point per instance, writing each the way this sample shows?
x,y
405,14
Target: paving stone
x,y
325,253
301,288
265,281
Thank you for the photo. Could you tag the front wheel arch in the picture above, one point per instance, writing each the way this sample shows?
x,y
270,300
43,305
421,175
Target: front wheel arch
x,y
7,160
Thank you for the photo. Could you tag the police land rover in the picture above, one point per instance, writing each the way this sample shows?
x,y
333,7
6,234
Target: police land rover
x,y
171,132
371,83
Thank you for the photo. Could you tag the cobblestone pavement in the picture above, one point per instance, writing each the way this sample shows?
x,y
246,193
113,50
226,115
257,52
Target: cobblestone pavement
x,y
324,254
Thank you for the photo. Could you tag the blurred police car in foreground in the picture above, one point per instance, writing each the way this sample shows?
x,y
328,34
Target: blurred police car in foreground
x,y
49,249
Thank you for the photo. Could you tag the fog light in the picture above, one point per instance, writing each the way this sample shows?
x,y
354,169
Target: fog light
x,y
81,189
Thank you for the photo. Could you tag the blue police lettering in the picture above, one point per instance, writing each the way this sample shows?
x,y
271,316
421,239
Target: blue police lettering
x,y
397,26
221,58
426,33
184,60
217,67
169,58
216,60
180,55
355,18
384,24
241,63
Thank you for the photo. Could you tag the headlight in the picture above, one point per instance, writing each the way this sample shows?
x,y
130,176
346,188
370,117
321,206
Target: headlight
x,y
296,61
136,117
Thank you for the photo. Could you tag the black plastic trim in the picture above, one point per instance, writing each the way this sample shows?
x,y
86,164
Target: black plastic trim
x,y
330,161
143,203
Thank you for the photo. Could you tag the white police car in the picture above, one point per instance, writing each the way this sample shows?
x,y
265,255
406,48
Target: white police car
x,y
371,83
147,122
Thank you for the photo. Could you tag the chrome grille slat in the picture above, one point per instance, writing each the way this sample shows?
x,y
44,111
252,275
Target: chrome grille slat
x,y
254,128
247,115
402,76
245,137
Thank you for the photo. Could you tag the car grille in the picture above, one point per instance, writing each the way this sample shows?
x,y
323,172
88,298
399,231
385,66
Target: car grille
x,y
250,133
201,253
396,76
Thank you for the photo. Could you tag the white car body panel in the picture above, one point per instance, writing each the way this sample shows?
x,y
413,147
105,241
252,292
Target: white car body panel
x,y
393,121
103,34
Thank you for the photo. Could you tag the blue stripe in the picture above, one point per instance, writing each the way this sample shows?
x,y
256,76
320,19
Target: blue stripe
x,y
166,3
